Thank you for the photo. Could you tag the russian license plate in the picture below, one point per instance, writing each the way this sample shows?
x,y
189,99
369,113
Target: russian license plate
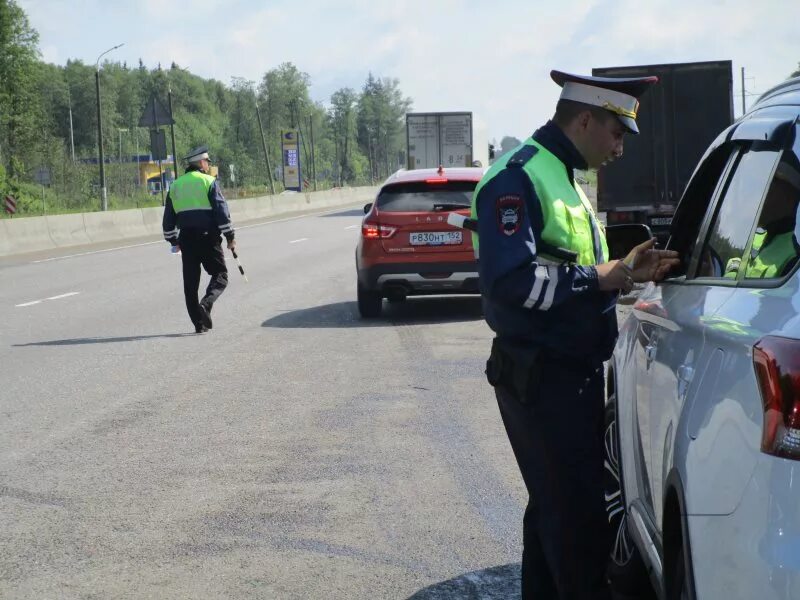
x,y
661,221
435,238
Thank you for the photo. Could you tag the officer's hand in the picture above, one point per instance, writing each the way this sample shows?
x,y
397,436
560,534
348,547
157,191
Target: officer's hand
x,y
648,264
232,244
614,275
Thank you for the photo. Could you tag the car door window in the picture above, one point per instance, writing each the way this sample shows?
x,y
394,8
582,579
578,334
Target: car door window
x,y
774,246
694,204
736,214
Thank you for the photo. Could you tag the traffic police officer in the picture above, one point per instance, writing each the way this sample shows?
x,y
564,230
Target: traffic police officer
x,y
194,217
549,293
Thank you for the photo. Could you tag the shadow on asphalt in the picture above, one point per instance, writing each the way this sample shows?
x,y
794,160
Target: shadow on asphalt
x,y
414,311
495,583
354,212
99,340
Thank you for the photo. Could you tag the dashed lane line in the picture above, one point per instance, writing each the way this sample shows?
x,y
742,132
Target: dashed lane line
x,y
300,240
59,297
67,295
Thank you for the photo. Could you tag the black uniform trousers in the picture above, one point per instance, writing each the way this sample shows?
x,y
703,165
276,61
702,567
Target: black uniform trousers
x,y
557,438
199,247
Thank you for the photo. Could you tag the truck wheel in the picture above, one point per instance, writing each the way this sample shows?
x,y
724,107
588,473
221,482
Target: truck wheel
x,y
626,569
369,303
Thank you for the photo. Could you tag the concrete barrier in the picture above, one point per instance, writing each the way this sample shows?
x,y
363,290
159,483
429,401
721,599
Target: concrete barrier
x,y
114,225
67,230
31,234
27,235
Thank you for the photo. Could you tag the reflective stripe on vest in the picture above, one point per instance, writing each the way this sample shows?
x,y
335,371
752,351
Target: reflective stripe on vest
x,y
569,220
190,192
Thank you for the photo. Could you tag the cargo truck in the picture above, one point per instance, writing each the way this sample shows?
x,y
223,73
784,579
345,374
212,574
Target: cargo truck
x,y
447,139
678,118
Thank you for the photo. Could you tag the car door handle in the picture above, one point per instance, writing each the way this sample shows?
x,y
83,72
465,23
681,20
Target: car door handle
x,y
650,353
685,373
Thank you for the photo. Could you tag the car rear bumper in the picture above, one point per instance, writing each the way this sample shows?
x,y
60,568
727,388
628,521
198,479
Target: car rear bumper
x,y
753,552
421,278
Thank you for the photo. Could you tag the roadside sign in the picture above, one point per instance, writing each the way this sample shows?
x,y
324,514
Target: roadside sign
x,y
10,204
158,144
233,172
155,114
291,159
42,176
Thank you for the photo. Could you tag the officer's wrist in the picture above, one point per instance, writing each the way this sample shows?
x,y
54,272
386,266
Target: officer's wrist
x,y
592,278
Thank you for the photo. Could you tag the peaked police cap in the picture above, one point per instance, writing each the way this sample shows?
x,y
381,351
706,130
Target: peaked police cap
x,y
619,95
197,154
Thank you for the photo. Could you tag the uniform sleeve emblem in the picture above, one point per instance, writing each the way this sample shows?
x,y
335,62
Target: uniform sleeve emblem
x,y
509,214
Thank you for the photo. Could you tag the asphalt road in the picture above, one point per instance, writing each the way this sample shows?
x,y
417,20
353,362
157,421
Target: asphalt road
x,y
294,451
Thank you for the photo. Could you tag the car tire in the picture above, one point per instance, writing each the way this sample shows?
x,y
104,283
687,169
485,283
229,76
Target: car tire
x,y
626,569
369,303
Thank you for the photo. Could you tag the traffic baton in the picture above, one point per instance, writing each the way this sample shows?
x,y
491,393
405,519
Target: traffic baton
x,y
241,270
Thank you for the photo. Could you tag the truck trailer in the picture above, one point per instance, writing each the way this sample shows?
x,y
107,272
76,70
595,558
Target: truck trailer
x,y
447,139
678,118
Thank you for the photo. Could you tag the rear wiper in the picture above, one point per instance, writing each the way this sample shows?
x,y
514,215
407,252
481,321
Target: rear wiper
x,y
451,206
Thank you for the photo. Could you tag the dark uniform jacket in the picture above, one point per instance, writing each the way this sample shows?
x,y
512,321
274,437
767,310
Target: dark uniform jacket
x,y
569,316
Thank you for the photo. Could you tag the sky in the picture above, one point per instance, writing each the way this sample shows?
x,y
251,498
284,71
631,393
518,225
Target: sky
x,y
490,58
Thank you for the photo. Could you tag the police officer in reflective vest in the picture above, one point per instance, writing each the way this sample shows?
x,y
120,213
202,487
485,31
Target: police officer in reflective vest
x,y
549,293
195,217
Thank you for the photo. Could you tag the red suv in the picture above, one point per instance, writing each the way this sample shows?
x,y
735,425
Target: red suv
x,y
406,245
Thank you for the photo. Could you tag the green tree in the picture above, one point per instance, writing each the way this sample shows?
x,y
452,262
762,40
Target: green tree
x,y
381,109
20,109
508,143
342,121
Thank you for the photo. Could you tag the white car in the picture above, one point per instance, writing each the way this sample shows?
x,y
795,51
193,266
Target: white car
x,y
703,413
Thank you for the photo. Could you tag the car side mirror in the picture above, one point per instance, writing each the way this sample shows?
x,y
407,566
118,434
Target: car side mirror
x,y
367,207
621,239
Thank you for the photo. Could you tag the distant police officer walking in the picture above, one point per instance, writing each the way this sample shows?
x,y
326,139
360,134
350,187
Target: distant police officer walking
x,y
195,216
549,293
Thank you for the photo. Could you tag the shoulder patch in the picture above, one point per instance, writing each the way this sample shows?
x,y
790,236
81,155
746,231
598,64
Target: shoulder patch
x,y
509,209
522,156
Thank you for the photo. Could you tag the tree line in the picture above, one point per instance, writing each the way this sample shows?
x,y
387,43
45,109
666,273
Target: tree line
x,y
48,120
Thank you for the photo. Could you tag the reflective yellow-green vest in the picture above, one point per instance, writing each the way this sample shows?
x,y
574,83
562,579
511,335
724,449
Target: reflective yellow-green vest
x,y
190,191
770,260
569,220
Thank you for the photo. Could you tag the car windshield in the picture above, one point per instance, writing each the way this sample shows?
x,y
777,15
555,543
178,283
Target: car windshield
x,y
426,197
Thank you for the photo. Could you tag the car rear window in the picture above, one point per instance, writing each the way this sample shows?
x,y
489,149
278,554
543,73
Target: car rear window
x,y
426,197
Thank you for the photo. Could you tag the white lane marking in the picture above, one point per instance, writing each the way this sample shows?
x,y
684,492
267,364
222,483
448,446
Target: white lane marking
x,y
67,295
318,214
351,227
96,252
300,240
28,303
63,296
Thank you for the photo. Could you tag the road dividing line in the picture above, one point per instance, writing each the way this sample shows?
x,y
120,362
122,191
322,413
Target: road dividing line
x,y
67,295
44,260
351,226
300,240
63,296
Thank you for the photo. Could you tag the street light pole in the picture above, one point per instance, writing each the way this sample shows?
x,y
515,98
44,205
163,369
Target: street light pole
x,y
103,191
121,176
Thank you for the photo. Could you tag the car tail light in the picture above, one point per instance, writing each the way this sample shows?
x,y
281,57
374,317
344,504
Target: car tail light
x,y
615,217
373,231
437,180
777,363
